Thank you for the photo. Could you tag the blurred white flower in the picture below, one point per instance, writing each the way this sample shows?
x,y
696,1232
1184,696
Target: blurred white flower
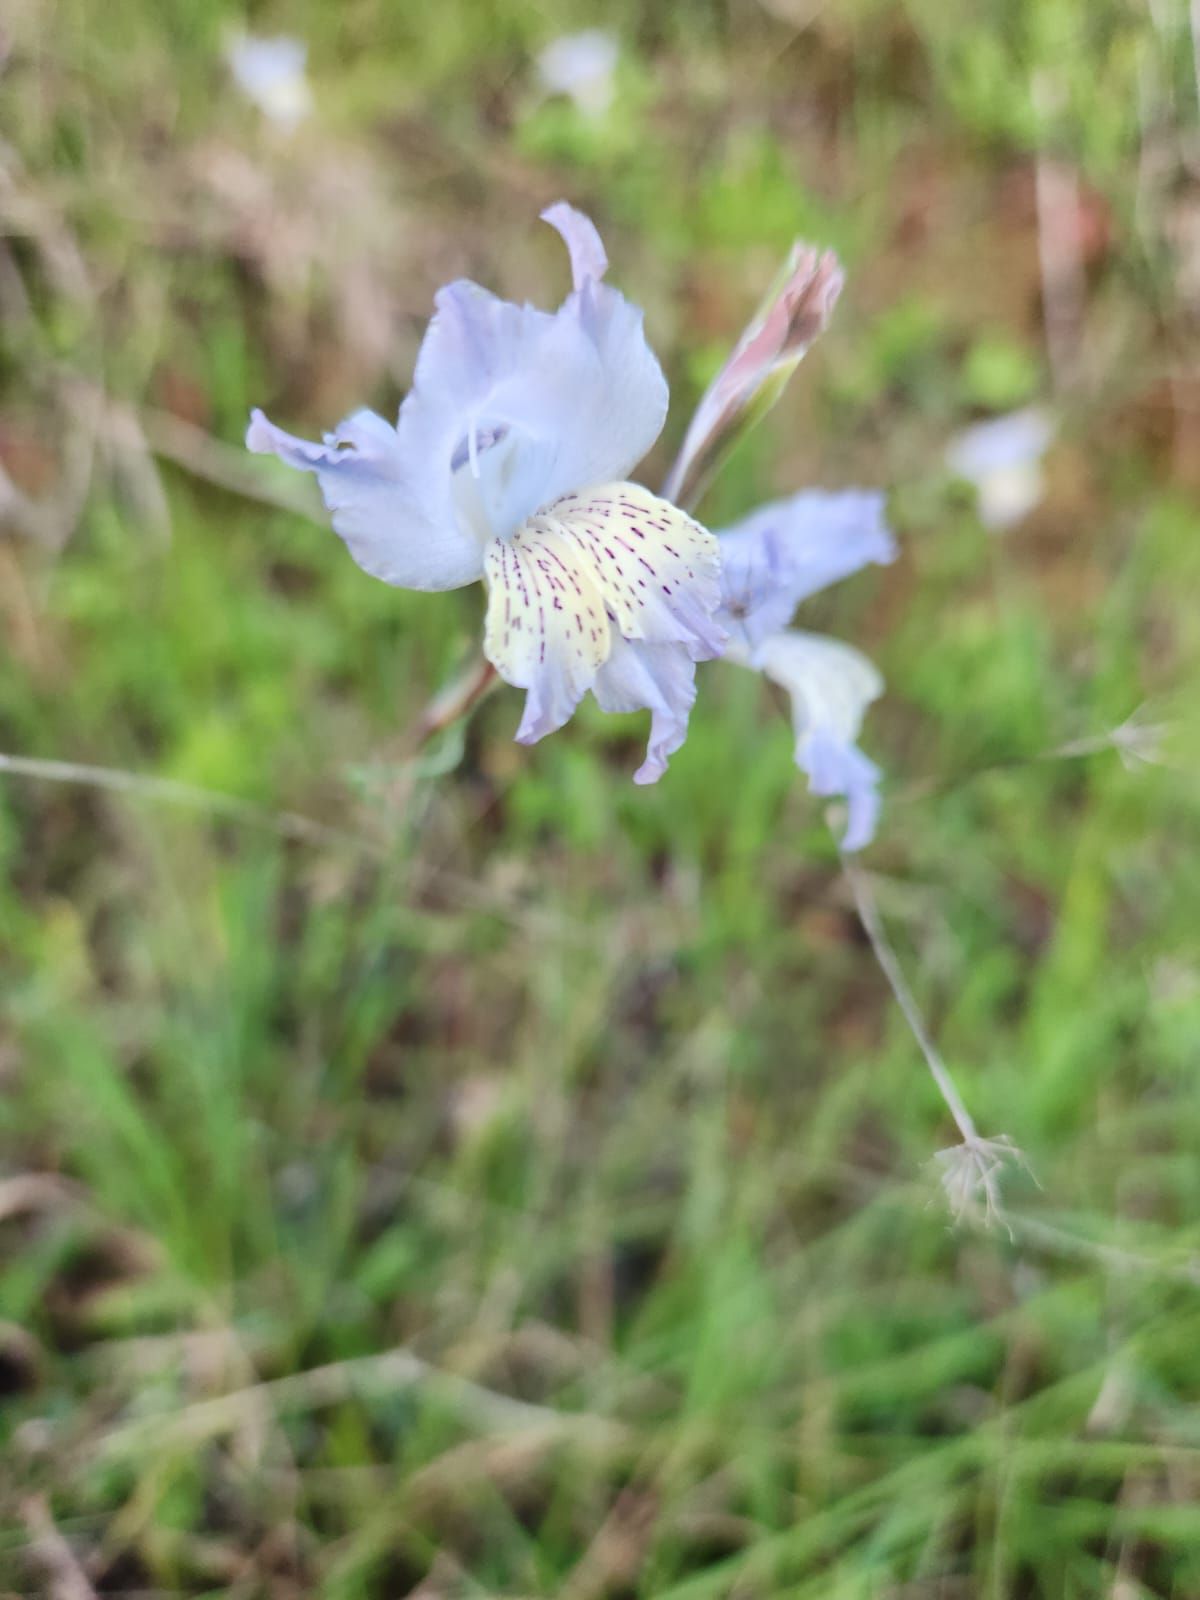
x,y
582,66
1003,460
270,72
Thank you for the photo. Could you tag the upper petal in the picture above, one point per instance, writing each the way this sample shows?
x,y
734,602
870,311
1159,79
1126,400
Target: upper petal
x,y
578,396
620,409
786,551
510,408
361,471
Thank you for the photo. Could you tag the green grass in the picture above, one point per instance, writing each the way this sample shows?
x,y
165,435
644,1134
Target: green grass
x,y
540,1163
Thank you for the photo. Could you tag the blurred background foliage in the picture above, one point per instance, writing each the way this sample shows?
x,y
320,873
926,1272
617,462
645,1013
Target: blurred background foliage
x,y
457,1172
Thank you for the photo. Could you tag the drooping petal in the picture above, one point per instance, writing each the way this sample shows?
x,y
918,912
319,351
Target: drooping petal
x,y
837,768
590,571
530,404
788,550
659,678
830,686
796,308
361,471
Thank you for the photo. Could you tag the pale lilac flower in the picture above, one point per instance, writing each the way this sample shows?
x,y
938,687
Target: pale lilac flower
x,y
581,66
1002,458
270,72
770,562
508,464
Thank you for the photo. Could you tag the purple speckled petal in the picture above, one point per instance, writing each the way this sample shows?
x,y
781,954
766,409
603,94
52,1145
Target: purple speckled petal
x,y
593,570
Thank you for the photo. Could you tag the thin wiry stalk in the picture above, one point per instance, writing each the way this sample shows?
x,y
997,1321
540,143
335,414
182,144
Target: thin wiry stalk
x,y
1133,741
970,1171
288,823
868,915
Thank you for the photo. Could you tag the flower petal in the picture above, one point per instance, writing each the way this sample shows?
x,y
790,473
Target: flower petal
x,y
510,408
547,630
582,239
658,571
659,678
620,405
786,551
362,474
837,768
590,571
577,397
830,685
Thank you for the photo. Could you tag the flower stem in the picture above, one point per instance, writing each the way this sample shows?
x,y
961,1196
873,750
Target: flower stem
x,y
868,915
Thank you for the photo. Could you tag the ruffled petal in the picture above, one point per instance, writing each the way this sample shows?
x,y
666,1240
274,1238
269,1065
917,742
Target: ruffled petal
x,y
837,768
788,550
589,573
830,685
659,678
525,404
363,478
510,408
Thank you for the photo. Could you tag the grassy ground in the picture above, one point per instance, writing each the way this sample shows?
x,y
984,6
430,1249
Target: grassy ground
x,y
522,1186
